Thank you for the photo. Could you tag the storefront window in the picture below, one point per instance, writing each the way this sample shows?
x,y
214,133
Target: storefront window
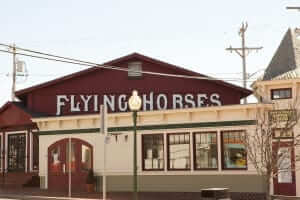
x,y
16,152
86,158
179,151
205,145
234,151
153,152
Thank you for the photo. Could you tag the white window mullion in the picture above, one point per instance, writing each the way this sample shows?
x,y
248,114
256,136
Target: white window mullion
x,y
26,152
219,151
165,153
31,151
1,153
192,151
6,151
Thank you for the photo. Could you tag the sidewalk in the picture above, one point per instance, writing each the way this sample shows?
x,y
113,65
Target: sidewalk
x,y
38,194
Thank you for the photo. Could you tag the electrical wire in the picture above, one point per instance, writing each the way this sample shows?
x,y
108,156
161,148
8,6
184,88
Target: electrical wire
x,y
91,64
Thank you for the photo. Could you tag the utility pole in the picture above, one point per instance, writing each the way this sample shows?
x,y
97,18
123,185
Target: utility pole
x,y
13,88
243,52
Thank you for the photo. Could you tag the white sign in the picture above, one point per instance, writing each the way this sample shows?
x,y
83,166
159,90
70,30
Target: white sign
x,y
88,103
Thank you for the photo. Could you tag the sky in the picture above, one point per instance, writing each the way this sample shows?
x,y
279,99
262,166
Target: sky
x,y
192,34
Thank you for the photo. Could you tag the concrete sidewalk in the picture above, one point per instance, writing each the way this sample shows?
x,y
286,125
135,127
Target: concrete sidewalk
x,y
38,194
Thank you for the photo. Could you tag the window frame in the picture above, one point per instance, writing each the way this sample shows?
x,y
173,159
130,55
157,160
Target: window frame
x,y
281,89
18,158
194,150
168,152
281,137
222,151
135,73
143,151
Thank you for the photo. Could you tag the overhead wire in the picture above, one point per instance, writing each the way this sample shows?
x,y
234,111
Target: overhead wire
x,y
92,64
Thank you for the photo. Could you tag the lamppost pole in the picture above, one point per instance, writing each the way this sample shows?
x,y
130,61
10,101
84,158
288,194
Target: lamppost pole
x,y
135,103
134,157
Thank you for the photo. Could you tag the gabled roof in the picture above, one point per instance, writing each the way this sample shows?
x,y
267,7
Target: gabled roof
x,y
178,69
22,107
13,116
286,58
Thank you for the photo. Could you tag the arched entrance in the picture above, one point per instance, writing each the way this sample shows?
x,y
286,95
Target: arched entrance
x,y
58,164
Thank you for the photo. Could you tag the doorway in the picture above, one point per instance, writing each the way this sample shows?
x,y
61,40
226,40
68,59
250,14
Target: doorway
x,y
59,164
285,181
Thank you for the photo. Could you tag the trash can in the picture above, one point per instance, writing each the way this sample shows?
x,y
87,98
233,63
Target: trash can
x,y
215,193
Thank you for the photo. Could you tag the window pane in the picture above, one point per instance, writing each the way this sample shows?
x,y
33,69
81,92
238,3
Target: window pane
x,y
179,153
284,165
56,165
206,151
234,151
16,152
153,148
86,158
281,93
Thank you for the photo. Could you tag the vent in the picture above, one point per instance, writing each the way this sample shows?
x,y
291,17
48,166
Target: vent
x,y
135,69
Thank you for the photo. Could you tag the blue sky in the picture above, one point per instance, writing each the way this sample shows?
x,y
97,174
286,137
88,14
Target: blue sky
x,y
191,34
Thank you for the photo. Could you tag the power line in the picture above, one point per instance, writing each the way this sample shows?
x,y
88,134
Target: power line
x,y
91,64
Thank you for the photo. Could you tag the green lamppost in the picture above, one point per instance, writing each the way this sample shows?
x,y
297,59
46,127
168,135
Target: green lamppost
x,y
135,103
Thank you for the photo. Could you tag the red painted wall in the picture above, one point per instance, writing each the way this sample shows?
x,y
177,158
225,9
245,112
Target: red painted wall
x,y
11,115
104,81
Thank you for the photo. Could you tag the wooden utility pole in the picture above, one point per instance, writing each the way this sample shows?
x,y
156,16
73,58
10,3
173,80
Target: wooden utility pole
x,y
13,88
243,52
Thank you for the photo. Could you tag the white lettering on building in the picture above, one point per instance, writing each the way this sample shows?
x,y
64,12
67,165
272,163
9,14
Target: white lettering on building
x,y
201,99
109,101
86,100
215,98
59,103
122,102
189,100
162,99
177,100
83,103
147,102
75,106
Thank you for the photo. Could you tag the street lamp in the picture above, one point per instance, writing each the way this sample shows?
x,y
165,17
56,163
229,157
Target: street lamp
x,y
135,103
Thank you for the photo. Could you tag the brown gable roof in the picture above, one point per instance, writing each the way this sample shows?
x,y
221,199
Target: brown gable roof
x,y
180,70
286,57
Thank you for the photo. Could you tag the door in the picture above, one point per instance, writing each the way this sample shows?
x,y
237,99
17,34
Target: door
x,y
285,181
60,160
16,152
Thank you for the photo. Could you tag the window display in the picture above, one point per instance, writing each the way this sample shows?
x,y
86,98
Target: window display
x,y
179,151
205,145
234,151
86,158
153,152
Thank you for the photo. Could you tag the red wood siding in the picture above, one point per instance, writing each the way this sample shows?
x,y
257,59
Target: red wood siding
x,y
104,82
14,116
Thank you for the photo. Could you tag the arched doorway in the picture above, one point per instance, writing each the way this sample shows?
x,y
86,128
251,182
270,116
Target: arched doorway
x,y
58,164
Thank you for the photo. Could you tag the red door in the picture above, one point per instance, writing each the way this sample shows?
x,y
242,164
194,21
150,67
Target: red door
x,y
60,159
285,181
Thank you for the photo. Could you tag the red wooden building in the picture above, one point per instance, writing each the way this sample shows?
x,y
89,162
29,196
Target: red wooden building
x,y
82,92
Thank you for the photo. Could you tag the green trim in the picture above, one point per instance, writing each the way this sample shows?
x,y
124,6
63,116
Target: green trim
x,y
153,127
